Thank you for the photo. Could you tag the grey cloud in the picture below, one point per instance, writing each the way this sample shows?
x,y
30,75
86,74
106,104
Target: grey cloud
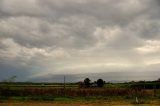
x,y
146,28
53,36
125,41
104,12
44,34
20,8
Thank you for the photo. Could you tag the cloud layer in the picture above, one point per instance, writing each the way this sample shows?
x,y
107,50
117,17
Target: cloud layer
x,y
41,37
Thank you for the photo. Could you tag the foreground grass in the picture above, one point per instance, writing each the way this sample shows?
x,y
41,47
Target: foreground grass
x,y
48,99
66,101
74,103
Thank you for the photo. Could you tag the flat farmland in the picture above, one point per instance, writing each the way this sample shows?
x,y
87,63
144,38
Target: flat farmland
x,y
16,94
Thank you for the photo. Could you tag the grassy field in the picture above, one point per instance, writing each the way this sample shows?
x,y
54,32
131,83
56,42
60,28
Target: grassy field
x,y
122,94
83,102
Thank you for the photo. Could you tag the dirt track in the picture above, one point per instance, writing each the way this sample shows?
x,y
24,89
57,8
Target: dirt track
x,y
120,103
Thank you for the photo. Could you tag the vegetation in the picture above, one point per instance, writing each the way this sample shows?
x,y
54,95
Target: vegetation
x,y
129,91
100,83
87,82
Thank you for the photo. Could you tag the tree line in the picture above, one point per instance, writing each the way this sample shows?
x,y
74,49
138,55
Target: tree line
x,y
87,83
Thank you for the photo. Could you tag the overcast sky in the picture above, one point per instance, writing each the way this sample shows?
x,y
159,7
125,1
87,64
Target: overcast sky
x,y
49,37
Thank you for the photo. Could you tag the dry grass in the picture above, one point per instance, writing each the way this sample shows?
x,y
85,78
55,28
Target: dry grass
x,y
100,103
72,92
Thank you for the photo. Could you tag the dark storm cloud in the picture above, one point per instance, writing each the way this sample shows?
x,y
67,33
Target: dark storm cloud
x,y
61,20
8,71
54,36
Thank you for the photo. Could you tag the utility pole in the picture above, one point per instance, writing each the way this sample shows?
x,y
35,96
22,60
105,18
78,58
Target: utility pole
x,y
64,85
64,82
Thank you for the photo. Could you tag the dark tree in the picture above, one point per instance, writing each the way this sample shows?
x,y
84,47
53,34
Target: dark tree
x,y
100,83
158,79
87,82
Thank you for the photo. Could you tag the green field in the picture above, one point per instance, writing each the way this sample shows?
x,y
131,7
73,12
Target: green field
x,y
146,93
